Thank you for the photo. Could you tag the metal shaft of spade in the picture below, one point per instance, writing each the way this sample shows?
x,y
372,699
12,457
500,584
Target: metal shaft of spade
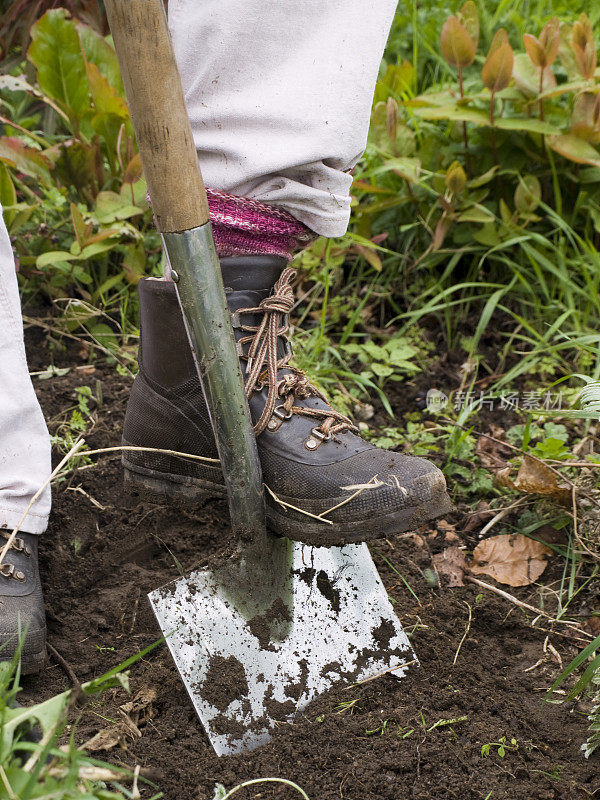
x,y
164,136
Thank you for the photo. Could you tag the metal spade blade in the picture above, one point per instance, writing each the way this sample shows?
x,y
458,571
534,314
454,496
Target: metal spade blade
x,y
257,640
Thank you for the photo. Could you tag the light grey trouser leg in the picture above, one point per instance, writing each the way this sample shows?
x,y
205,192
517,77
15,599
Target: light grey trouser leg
x,y
24,440
279,95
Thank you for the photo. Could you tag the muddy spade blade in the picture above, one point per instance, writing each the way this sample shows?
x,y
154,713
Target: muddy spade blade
x,y
253,652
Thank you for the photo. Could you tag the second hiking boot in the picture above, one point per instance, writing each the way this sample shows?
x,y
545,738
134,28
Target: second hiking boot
x,y
324,484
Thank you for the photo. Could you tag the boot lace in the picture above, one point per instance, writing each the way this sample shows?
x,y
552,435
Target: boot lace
x,y
263,364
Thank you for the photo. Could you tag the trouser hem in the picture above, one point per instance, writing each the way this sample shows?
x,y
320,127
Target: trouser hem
x,y
34,523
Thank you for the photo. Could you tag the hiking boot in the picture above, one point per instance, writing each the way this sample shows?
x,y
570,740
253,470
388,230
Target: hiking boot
x,y
21,603
325,485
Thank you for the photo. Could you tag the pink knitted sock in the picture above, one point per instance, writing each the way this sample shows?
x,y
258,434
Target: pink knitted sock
x,y
244,227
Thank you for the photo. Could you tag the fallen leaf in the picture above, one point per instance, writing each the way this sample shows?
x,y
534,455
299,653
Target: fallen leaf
x,y
451,563
105,739
496,431
536,478
550,535
451,536
502,477
492,454
139,709
479,517
512,559
592,625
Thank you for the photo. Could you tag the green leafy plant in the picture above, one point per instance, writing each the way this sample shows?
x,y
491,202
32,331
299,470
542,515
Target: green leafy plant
x,y
486,186
593,741
501,747
34,769
70,177
393,360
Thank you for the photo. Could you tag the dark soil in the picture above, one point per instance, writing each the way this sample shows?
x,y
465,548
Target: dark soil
x,y
225,682
419,738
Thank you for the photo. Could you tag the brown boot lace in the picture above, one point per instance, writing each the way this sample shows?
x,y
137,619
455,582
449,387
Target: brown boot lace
x,y
263,365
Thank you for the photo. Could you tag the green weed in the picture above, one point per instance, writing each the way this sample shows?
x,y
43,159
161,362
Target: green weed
x,y
31,769
501,747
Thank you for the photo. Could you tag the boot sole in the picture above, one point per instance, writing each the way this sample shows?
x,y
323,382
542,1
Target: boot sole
x,y
31,662
35,663
186,491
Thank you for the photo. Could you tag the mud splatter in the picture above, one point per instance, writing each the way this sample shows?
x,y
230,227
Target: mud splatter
x,y
225,682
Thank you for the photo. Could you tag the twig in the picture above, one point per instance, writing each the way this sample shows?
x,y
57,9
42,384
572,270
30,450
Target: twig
x,y
77,446
568,636
35,756
380,674
578,538
255,781
465,634
295,508
500,515
368,485
65,665
512,599
150,450
92,500
135,792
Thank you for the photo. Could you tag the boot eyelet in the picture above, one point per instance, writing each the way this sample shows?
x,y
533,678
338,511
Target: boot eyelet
x,y
235,320
283,415
9,571
278,418
6,570
316,438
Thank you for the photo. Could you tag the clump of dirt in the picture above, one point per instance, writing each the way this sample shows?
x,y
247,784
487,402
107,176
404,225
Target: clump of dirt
x,y
328,591
263,625
383,634
225,682
417,738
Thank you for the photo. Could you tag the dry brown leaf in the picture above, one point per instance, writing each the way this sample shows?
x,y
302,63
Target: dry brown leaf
x,y
139,710
451,563
514,560
451,537
493,455
105,739
502,477
536,478
482,514
496,431
592,625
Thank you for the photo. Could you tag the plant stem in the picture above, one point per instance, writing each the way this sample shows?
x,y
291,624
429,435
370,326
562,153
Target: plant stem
x,y
464,125
255,781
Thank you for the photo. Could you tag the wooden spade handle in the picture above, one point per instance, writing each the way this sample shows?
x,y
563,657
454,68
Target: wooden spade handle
x,y
160,120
